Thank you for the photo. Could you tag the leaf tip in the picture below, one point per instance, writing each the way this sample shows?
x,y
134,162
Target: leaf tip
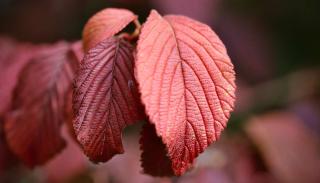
x,y
154,14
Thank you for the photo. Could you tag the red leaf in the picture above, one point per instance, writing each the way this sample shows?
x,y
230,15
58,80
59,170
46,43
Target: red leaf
x,y
105,24
186,80
154,157
104,98
40,99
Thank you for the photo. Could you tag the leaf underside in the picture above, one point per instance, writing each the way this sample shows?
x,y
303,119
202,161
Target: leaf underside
x,y
32,127
105,98
186,80
154,155
105,24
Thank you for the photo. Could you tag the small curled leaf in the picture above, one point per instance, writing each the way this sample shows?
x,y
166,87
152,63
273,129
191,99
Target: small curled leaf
x,y
105,24
104,98
32,128
186,80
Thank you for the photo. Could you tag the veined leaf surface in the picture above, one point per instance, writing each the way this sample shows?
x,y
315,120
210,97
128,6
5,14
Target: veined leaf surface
x,y
105,98
187,84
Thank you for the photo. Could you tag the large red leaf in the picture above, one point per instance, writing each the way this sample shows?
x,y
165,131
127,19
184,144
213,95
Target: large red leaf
x,y
186,80
105,24
32,128
105,98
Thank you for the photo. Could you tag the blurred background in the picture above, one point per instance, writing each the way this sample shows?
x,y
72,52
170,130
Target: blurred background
x,y
272,136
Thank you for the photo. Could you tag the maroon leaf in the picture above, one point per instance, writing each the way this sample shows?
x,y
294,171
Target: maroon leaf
x,y
105,24
154,157
7,158
40,99
104,98
186,80
76,52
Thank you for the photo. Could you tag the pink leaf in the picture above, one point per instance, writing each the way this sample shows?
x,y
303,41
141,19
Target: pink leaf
x,y
186,80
